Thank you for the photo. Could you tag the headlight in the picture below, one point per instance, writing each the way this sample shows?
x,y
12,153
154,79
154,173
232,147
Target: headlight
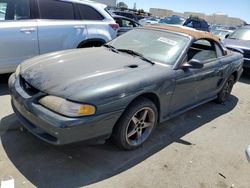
x,y
18,70
67,108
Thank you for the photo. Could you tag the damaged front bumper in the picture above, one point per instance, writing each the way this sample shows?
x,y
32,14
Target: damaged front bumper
x,y
248,153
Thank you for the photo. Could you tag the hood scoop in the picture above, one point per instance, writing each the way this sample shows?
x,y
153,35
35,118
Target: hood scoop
x,y
132,66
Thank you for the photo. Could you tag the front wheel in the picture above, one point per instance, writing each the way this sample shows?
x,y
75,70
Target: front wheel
x,y
136,124
226,90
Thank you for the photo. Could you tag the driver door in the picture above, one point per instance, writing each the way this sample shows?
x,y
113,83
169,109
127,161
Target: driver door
x,y
194,86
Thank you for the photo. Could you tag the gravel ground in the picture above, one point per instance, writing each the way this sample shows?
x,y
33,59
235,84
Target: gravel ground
x,y
202,148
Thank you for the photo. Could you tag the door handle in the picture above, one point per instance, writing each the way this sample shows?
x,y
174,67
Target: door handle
x,y
79,27
28,30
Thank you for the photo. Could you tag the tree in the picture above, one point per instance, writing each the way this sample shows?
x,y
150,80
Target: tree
x,y
141,11
122,5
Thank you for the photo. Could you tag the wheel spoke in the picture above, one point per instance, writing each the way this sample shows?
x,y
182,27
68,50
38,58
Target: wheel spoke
x,y
131,133
139,133
146,125
135,120
144,116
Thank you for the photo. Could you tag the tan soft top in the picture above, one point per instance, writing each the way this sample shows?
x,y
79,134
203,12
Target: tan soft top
x,y
185,30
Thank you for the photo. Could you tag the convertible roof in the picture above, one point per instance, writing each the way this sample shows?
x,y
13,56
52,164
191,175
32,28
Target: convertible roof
x,y
185,30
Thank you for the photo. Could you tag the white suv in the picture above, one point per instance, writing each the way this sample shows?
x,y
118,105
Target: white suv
x,y
33,27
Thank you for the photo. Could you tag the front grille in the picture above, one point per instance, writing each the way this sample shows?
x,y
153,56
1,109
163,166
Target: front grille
x,y
29,89
247,53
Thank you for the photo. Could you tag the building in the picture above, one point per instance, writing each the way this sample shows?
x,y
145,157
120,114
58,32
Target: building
x,y
200,15
223,19
111,3
160,12
217,18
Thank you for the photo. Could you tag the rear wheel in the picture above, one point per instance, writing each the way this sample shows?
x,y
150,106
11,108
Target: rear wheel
x,y
136,124
226,90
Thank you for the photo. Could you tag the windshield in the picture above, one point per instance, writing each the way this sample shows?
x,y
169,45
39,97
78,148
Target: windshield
x,y
241,34
158,46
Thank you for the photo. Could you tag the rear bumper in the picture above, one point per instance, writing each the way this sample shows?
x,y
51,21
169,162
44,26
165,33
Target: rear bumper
x,y
57,129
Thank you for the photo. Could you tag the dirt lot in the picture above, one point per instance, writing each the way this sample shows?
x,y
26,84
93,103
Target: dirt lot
x,y
201,148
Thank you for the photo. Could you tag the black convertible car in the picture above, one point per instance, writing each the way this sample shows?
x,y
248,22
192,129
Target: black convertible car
x,y
123,89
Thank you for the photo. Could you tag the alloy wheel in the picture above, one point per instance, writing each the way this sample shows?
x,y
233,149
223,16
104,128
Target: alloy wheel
x,y
227,89
140,126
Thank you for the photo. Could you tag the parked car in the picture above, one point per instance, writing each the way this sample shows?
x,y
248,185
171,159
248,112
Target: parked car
x,y
125,24
149,21
126,14
215,27
123,89
197,23
32,28
221,33
239,41
173,20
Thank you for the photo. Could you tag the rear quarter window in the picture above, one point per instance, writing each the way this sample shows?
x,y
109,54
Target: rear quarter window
x,y
89,13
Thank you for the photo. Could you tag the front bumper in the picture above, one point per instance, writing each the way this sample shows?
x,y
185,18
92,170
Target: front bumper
x,y
54,128
248,153
246,63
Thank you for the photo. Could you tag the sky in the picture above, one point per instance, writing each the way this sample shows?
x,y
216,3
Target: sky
x,y
233,8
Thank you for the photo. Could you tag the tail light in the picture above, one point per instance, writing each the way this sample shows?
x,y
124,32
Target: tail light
x,y
114,26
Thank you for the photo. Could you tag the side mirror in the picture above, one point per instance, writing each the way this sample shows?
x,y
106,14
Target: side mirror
x,y
227,35
193,64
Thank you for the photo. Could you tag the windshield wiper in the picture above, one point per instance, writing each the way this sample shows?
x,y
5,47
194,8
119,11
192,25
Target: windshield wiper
x,y
111,47
136,54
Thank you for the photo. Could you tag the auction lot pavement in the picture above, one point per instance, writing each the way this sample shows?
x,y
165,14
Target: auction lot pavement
x,y
202,148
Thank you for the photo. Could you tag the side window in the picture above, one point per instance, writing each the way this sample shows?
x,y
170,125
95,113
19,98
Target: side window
x,y
202,50
89,13
14,10
52,9
218,50
3,7
189,24
197,24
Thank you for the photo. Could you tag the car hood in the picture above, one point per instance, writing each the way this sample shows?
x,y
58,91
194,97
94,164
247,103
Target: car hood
x,y
233,43
66,73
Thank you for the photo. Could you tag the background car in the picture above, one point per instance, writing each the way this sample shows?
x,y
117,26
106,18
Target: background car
x,y
215,27
173,20
239,41
192,22
31,28
126,14
149,21
124,88
125,24
222,33
197,23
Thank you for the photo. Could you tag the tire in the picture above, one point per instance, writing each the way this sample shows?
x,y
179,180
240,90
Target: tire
x,y
136,124
226,90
